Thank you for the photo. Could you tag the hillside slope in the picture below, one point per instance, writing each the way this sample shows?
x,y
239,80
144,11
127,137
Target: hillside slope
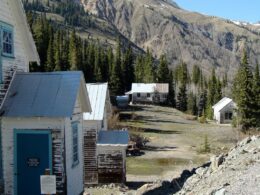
x,y
182,35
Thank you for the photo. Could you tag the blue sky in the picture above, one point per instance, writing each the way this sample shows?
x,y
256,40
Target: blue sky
x,y
245,10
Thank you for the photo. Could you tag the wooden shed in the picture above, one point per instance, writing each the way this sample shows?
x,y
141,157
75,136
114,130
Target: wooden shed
x,y
42,124
94,122
111,147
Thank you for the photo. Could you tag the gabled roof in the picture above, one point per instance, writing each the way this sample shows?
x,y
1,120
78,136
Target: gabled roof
x,y
45,95
222,103
98,96
113,138
149,88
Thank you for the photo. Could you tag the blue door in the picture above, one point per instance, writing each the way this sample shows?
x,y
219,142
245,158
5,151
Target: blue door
x,y
32,156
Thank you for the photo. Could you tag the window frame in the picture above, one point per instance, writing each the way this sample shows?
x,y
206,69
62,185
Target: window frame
x,y
75,144
9,29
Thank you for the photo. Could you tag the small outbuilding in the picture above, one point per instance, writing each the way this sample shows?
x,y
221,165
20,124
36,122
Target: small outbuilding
x,y
111,146
149,92
224,111
41,128
94,122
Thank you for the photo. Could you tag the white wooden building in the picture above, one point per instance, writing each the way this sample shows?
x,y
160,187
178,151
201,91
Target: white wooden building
x,y
101,107
42,127
93,123
149,92
224,111
17,48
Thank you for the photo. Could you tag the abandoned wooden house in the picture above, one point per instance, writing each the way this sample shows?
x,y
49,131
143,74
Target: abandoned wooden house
x,y
94,122
149,92
41,128
104,151
224,111
111,149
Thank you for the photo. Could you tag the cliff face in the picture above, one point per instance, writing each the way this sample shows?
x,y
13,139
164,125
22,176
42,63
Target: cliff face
x,y
163,27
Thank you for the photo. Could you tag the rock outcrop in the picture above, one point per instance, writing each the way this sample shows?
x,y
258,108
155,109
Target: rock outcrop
x,y
237,172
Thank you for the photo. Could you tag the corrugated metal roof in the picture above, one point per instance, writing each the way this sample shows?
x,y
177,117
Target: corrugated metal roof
x,y
42,94
221,104
97,95
113,138
149,88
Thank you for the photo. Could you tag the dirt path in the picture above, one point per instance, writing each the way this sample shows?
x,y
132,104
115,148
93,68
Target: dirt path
x,y
174,142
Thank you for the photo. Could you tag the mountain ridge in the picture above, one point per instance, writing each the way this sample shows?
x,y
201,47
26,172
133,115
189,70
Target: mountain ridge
x,y
165,28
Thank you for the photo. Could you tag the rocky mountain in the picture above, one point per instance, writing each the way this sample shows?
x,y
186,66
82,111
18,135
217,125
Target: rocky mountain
x,y
237,172
165,28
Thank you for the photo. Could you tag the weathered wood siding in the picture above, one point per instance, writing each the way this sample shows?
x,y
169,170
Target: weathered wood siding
x,y
90,157
111,164
8,126
74,173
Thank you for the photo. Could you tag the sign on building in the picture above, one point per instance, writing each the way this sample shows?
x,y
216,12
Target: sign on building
x,y
48,184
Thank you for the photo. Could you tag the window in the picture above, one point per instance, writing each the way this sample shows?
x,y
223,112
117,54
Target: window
x,y
148,95
6,40
228,115
138,95
75,144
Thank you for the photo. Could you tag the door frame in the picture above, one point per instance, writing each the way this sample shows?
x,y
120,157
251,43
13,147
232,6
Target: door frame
x,y
29,131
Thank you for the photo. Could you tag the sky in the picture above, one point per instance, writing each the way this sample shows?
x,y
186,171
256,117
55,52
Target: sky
x,y
241,10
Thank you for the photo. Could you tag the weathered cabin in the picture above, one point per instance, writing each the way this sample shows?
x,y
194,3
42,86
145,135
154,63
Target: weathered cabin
x,y
149,92
93,122
224,111
42,127
111,147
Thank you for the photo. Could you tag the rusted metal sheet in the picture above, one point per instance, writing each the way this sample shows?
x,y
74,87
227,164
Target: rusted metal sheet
x,y
90,157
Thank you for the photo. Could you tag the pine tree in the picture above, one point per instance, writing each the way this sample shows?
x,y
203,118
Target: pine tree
x,y
148,76
73,58
171,95
128,69
163,70
182,98
256,91
139,71
50,60
243,94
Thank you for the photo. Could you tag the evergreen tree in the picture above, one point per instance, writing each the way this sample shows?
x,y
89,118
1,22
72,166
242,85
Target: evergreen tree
x,y
163,70
243,94
73,58
139,71
50,60
256,91
182,98
128,69
171,95
148,76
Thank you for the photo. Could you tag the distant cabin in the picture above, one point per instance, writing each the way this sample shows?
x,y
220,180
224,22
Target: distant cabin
x,y
41,128
224,111
149,92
